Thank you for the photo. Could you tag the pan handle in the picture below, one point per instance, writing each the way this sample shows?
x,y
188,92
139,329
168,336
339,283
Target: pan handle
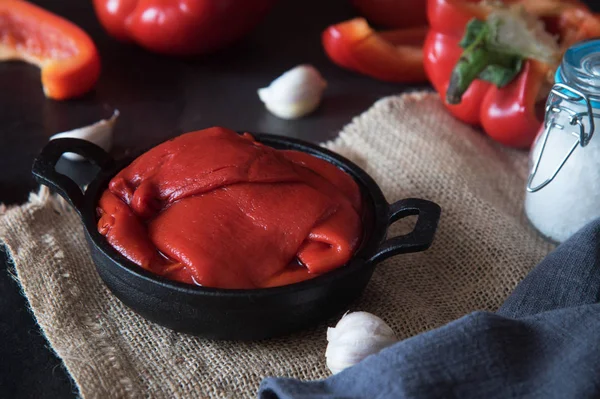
x,y
44,167
422,235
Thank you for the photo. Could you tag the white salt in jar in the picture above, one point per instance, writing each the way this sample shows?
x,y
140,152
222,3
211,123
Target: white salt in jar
x,y
563,190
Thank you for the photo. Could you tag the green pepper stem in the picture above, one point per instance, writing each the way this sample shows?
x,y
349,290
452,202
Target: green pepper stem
x,y
479,60
471,63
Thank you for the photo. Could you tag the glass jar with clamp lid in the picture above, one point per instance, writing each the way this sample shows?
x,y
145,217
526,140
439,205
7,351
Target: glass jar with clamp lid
x,y
563,188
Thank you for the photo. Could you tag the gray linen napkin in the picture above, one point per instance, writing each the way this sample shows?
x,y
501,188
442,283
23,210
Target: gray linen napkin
x,y
544,342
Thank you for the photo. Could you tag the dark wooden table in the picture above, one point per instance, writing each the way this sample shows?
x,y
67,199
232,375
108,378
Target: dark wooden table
x,y
158,97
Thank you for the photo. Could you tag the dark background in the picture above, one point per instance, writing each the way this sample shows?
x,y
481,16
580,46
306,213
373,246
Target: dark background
x,y
159,97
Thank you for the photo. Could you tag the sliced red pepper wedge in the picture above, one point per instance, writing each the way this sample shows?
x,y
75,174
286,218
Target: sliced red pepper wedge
x,y
508,114
66,55
392,56
577,24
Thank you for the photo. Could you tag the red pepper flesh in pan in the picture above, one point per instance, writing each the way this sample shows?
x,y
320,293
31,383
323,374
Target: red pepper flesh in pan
x,y
218,209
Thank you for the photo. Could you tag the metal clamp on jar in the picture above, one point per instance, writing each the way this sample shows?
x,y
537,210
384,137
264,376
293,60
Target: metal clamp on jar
x,y
563,189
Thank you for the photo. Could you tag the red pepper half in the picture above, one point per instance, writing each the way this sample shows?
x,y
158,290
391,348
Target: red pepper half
x,y
66,55
392,56
180,27
507,114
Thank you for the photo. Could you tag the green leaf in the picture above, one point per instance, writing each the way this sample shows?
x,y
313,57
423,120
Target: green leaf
x,y
475,30
501,75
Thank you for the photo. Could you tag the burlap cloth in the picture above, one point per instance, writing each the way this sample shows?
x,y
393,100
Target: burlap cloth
x,y
413,148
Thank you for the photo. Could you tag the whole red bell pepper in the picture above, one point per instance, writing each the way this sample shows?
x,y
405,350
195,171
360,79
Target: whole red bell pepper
x,y
180,27
65,54
392,56
509,112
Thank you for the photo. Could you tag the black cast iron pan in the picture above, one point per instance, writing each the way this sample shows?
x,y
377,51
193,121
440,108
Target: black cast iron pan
x,y
249,313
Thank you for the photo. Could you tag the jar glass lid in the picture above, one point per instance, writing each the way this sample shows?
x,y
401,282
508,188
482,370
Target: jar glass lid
x,y
580,69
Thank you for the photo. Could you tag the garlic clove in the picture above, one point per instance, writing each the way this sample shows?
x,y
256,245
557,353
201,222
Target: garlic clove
x,y
99,133
356,336
294,94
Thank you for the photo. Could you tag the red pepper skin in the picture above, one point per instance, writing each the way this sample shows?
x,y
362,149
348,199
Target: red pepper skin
x,y
392,56
65,54
508,115
180,27
441,53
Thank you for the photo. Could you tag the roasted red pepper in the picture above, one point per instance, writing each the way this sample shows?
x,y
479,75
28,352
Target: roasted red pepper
x,y
180,27
66,55
393,56
218,209
509,114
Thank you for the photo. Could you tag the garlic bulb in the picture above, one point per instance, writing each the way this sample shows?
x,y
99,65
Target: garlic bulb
x,y
356,336
99,133
294,94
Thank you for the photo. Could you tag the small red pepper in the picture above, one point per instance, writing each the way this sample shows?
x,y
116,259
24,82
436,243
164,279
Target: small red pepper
x,y
393,56
66,55
180,27
509,114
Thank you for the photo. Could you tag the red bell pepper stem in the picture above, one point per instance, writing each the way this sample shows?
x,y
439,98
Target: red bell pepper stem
x,y
478,60
508,114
